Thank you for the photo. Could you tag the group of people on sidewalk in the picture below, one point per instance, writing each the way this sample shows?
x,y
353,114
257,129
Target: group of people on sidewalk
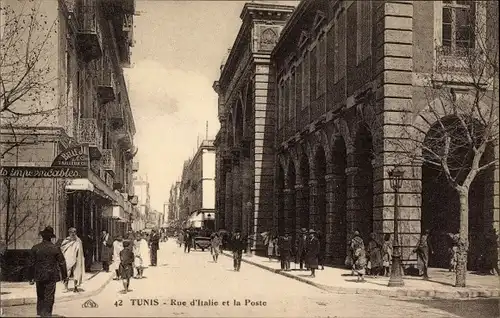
x,y
308,249
55,260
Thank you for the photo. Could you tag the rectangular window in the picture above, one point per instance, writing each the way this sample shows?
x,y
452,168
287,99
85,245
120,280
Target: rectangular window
x,y
321,68
458,23
298,88
340,49
363,36
291,109
314,73
306,85
286,100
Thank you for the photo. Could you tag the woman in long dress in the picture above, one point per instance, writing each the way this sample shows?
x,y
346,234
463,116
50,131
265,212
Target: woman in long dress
x,y
215,246
423,249
117,248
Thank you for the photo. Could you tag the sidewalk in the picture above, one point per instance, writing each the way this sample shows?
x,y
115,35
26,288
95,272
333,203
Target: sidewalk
x,y
22,293
337,280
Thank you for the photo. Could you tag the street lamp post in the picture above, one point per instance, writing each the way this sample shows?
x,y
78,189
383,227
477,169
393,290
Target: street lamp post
x,y
396,279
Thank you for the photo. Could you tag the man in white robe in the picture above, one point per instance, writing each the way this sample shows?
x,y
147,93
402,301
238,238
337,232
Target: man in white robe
x,y
72,249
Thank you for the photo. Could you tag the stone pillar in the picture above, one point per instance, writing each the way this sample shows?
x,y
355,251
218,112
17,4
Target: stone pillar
x,y
336,236
228,213
237,195
353,204
246,195
313,204
299,206
220,190
288,197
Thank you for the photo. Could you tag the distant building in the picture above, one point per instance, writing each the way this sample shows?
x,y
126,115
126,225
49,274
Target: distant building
x,y
173,205
141,190
197,188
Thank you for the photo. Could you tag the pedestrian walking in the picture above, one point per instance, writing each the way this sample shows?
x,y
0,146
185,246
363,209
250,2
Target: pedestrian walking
x,y
356,245
301,248
72,249
88,250
46,267
285,248
180,238
387,254
374,251
126,267
187,241
312,252
423,249
106,250
154,245
215,242
117,248
239,245
271,245
141,255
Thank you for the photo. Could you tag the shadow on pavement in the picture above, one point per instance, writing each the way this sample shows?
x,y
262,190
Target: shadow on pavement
x,y
464,308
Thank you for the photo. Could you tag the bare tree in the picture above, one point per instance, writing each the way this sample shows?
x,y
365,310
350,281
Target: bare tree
x,y
458,123
27,92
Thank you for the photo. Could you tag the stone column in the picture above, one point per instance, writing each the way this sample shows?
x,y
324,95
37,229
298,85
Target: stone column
x,y
313,204
336,236
228,213
246,195
237,194
299,206
353,203
288,196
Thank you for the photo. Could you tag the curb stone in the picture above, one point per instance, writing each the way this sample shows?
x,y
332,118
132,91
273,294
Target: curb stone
x,y
32,300
413,293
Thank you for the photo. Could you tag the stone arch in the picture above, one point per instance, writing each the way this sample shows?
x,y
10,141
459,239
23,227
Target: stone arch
x,y
291,181
318,198
238,122
337,223
248,110
303,204
360,182
280,187
440,202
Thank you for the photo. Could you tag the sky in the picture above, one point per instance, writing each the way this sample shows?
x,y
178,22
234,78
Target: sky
x,y
179,47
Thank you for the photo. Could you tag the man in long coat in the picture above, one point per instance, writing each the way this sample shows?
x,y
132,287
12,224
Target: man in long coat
x,y
312,252
46,267
154,245
239,245
301,248
106,250
285,250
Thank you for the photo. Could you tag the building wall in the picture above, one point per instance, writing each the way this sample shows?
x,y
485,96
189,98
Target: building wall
x,y
69,99
334,127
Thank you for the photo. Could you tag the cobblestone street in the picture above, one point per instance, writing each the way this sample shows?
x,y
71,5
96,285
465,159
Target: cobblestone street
x,y
183,277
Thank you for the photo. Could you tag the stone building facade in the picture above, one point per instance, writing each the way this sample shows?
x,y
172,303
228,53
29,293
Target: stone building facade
x,y
197,188
173,205
347,74
245,153
89,105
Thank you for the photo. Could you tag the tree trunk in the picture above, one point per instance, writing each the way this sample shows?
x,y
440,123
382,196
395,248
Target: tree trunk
x,y
463,243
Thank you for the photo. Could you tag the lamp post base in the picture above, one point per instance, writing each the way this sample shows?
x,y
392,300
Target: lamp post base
x,y
396,279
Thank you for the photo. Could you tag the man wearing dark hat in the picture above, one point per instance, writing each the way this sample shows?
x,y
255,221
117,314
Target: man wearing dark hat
x,y
285,249
312,252
46,266
239,245
301,248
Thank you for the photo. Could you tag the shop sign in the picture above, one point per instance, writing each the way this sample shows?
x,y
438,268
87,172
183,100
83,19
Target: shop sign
x,y
43,172
76,156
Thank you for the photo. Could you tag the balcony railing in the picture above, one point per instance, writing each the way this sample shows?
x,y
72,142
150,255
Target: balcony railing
x,y
108,161
89,133
116,115
107,88
124,137
89,33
